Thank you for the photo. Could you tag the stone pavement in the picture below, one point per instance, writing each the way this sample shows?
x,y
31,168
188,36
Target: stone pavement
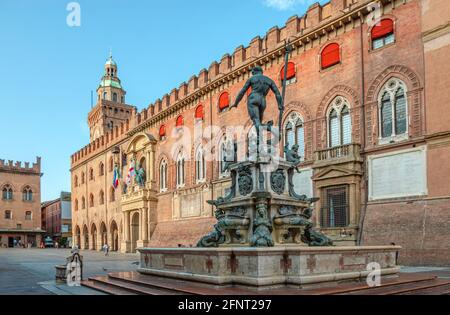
x,y
32,271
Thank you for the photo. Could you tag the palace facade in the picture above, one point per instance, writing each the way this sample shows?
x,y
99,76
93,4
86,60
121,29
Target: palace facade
x,y
20,204
365,103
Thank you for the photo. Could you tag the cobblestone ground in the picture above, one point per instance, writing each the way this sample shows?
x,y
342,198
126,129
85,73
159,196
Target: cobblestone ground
x,y
29,271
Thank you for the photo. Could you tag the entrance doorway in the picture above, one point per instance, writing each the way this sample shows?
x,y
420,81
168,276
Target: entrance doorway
x,y
10,242
134,232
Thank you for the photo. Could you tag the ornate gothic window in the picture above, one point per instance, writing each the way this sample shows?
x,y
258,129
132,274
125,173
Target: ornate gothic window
x,y
339,123
225,154
393,112
295,134
180,170
27,194
28,216
7,193
163,176
200,166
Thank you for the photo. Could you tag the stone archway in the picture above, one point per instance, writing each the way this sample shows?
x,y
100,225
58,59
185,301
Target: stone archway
x,y
103,234
85,237
114,234
78,237
135,226
94,237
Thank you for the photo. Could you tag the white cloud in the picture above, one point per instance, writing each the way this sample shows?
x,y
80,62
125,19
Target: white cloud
x,y
283,5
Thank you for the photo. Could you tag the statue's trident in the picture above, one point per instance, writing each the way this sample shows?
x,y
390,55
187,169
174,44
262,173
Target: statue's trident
x,y
288,50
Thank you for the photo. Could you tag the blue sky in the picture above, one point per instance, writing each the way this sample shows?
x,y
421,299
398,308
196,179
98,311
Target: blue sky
x,y
48,69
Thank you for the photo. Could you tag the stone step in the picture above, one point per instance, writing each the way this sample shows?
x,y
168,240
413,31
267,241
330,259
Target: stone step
x,y
133,283
134,288
105,288
357,287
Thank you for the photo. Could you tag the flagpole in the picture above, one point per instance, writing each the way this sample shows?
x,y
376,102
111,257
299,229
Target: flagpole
x,y
288,50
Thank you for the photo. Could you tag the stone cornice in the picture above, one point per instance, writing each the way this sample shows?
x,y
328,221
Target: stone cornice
x,y
436,32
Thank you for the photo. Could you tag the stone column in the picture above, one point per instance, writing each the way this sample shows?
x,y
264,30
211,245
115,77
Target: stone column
x,y
126,241
143,231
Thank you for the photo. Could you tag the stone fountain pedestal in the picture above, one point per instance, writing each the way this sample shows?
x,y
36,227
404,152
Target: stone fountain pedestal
x,y
265,267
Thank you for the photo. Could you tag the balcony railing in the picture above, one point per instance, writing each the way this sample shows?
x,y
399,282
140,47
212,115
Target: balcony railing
x,y
347,152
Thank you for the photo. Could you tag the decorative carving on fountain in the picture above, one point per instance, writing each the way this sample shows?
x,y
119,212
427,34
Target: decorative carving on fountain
x,y
245,180
278,181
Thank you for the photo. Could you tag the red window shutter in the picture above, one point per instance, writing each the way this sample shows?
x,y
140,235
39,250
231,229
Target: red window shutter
x,y
290,71
180,121
385,27
224,101
199,113
162,131
331,55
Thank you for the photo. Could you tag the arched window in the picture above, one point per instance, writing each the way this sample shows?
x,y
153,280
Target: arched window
x,y
291,72
225,154
383,34
162,132
224,101
180,170
295,134
91,200
339,123
76,205
83,179
8,215
163,176
115,97
101,169
199,113
393,111
27,194
200,167
101,198
180,122
83,203
7,192
75,181
28,216
105,95
122,99
331,55
111,164
91,174
112,194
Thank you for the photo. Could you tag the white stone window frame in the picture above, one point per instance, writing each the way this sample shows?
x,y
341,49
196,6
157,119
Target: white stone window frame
x,y
293,119
391,87
163,172
221,155
339,103
200,165
181,170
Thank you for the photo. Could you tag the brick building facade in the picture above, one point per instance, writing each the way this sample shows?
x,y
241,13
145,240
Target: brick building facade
x,y
364,103
20,210
57,219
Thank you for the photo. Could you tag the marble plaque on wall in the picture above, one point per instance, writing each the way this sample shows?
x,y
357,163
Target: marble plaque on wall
x,y
396,175
303,183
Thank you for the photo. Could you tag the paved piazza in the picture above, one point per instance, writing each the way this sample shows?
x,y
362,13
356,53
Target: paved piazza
x,y
32,271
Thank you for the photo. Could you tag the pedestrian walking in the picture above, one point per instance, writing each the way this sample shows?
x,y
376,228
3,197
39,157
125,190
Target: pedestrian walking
x,y
106,249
